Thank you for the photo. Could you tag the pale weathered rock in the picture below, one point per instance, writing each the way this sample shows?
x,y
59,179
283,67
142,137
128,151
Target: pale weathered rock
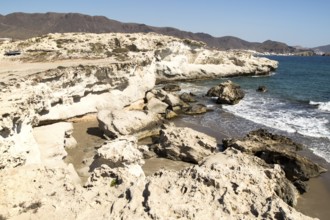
x,y
185,144
232,185
122,122
173,100
123,68
277,149
228,185
52,140
156,106
119,152
227,93
137,105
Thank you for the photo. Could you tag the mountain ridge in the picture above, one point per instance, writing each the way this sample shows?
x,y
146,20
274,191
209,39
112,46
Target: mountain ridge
x,y
324,48
21,25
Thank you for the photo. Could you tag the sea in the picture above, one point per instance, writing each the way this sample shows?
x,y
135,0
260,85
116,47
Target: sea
x,y
297,103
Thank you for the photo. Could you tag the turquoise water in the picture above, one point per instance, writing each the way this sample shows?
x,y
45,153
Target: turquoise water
x,y
297,103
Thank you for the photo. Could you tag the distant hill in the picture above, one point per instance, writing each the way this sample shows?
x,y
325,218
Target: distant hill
x,y
324,49
24,25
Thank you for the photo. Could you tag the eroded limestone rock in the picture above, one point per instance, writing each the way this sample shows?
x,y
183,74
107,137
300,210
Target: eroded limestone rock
x,y
123,122
228,185
227,93
120,152
185,144
277,149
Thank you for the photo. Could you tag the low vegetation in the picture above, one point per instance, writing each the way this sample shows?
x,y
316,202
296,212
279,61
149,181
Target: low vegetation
x,y
32,207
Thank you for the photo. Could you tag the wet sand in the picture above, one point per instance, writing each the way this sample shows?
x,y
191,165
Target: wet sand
x,y
88,136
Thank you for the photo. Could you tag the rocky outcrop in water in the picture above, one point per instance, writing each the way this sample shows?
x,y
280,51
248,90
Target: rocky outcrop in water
x,y
262,89
227,93
277,149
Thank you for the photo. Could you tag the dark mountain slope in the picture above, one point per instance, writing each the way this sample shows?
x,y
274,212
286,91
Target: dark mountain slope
x,y
325,49
23,26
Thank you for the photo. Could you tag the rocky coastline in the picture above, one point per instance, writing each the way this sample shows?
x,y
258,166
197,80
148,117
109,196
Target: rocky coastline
x,y
58,77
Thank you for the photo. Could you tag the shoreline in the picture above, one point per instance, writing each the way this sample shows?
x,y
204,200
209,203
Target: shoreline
x,y
118,92
312,203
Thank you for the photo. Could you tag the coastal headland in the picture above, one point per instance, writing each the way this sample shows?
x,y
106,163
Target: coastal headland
x,y
57,80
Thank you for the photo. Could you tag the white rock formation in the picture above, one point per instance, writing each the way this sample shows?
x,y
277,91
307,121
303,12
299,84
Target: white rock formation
x,y
118,123
229,185
52,140
185,144
117,70
62,93
120,152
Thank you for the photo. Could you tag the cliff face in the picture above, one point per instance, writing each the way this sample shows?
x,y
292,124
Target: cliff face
x,y
92,71
89,71
60,76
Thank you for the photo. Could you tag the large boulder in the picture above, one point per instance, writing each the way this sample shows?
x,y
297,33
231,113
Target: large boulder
x,y
187,97
156,106
227,93
277,149
178,143
120,152
171,88
123,122
195,109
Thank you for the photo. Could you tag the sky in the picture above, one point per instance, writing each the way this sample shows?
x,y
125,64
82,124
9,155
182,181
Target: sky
x,y
295,22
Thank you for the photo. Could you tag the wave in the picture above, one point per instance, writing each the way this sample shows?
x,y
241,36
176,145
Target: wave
x,y
280,115
267,75
323,106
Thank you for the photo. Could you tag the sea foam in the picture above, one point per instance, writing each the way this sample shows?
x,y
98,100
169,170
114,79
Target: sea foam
x,y
323,106
277,114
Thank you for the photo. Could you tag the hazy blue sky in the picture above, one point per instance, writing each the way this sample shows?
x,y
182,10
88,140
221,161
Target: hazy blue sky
x,y
295,22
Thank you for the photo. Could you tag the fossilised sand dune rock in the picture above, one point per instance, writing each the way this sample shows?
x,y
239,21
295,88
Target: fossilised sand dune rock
x,y
185,144
184,63
277,149
62,93
123,122
120,152
52,140
228,185
156,106
227,93
176,58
